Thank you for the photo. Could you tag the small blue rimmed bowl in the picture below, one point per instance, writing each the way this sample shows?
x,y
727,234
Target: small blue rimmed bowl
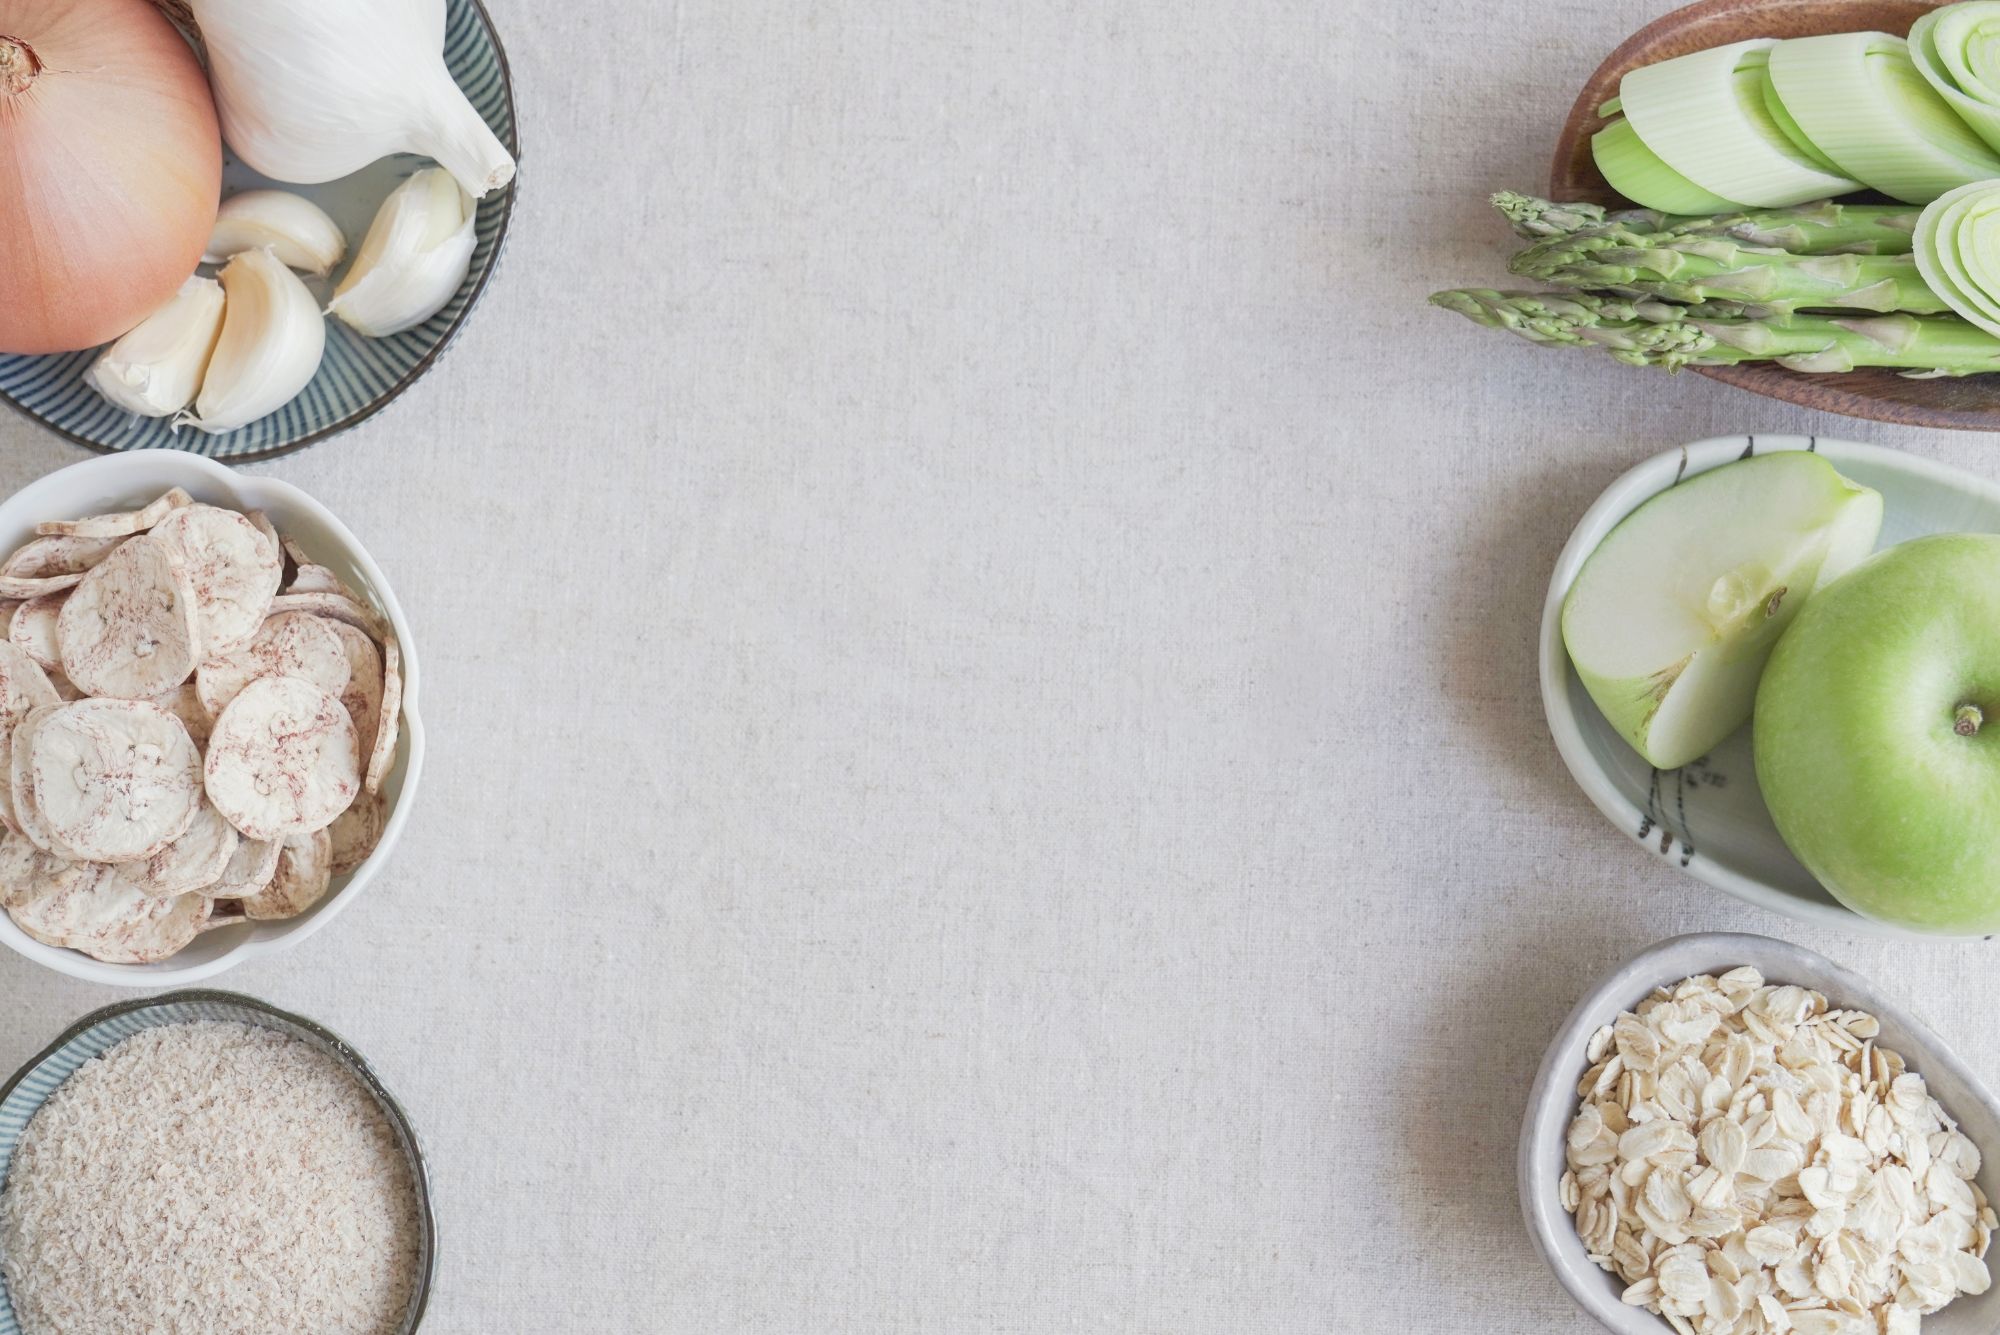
x,y
359,375
1708,818
103,1029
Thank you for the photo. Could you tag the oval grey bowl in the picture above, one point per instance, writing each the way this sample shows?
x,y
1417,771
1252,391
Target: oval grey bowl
x,y
102,1029
359,375
1551,1102
1709,819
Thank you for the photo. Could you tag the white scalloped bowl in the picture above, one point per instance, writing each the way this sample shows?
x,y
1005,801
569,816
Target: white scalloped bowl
x,y
124,481
1708,819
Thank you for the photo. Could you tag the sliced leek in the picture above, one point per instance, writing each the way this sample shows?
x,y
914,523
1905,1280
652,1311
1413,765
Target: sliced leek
x,y
1859,98
1958,252
1637,173
1957,50
1706,116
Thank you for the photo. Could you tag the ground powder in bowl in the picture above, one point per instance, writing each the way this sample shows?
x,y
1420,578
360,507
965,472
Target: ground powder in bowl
x,y
211,1178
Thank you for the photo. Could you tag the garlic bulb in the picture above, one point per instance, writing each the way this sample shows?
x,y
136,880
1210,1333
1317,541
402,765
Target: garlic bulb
x,y
294,228
311,90
417,252
272,338
157,367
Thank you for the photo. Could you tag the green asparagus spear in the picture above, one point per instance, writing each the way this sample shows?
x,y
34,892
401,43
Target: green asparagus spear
x,y
1824,228
1942,345
1703,268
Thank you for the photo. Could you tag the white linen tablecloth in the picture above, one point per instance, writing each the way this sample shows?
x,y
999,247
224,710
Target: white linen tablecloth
x,y
985,766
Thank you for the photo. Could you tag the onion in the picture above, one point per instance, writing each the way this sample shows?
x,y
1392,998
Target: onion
x,y
110,169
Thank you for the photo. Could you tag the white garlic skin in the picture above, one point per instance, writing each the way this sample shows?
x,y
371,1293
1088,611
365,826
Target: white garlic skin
x,y
157,368
413,260
295,229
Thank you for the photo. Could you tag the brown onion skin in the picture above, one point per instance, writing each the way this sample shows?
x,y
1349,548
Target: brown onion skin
x,y
110,172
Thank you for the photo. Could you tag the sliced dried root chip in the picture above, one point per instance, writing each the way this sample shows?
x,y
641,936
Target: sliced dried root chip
x,y
388,717
224,913
20,863
195,861
130,630
283,759
24,587
234,572
184,703
250,869
21,781
33,627
305,869
23,687
318,579
290,644
122,524
356,831
336,605
115,780
87,907
362,695
58,556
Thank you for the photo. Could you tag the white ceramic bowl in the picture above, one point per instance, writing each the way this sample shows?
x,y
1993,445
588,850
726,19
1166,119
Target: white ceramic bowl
x,y
1709,818
1552,1103
123,481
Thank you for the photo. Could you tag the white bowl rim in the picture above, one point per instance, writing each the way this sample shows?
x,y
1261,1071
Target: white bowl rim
x,y
1633,487
1552,1096
75,964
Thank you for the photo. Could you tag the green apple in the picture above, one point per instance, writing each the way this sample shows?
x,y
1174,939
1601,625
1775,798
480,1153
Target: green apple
x,y
1671,618
1878,736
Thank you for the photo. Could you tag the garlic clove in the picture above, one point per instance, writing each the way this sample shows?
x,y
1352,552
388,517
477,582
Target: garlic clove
x,y
294,228
272,339
416,254
156,368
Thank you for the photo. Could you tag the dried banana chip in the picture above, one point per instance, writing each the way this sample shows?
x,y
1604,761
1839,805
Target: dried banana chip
x,y
33,627
120,525
363,693
290,644
115,780
305,869
195,861
234,572
58,556
356,831
250,869
388,717
130,629
338,606
283,759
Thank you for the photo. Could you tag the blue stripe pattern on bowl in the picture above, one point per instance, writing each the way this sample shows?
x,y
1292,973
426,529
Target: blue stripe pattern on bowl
x,y
104,1029
359,375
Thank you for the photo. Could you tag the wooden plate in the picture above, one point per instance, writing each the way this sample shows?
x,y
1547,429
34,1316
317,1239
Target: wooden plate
x,y
1971,403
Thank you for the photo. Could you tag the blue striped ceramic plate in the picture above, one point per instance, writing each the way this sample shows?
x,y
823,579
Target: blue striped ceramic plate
x,y
102,1029
359,374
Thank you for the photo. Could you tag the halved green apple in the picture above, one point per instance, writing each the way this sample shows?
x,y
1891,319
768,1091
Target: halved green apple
x,y
1671,618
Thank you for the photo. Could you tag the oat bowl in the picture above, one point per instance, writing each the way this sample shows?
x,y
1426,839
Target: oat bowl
x,y
1822,1172
215,695
317,1199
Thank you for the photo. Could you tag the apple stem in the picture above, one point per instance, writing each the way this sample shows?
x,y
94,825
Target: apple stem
x,y
1968,720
